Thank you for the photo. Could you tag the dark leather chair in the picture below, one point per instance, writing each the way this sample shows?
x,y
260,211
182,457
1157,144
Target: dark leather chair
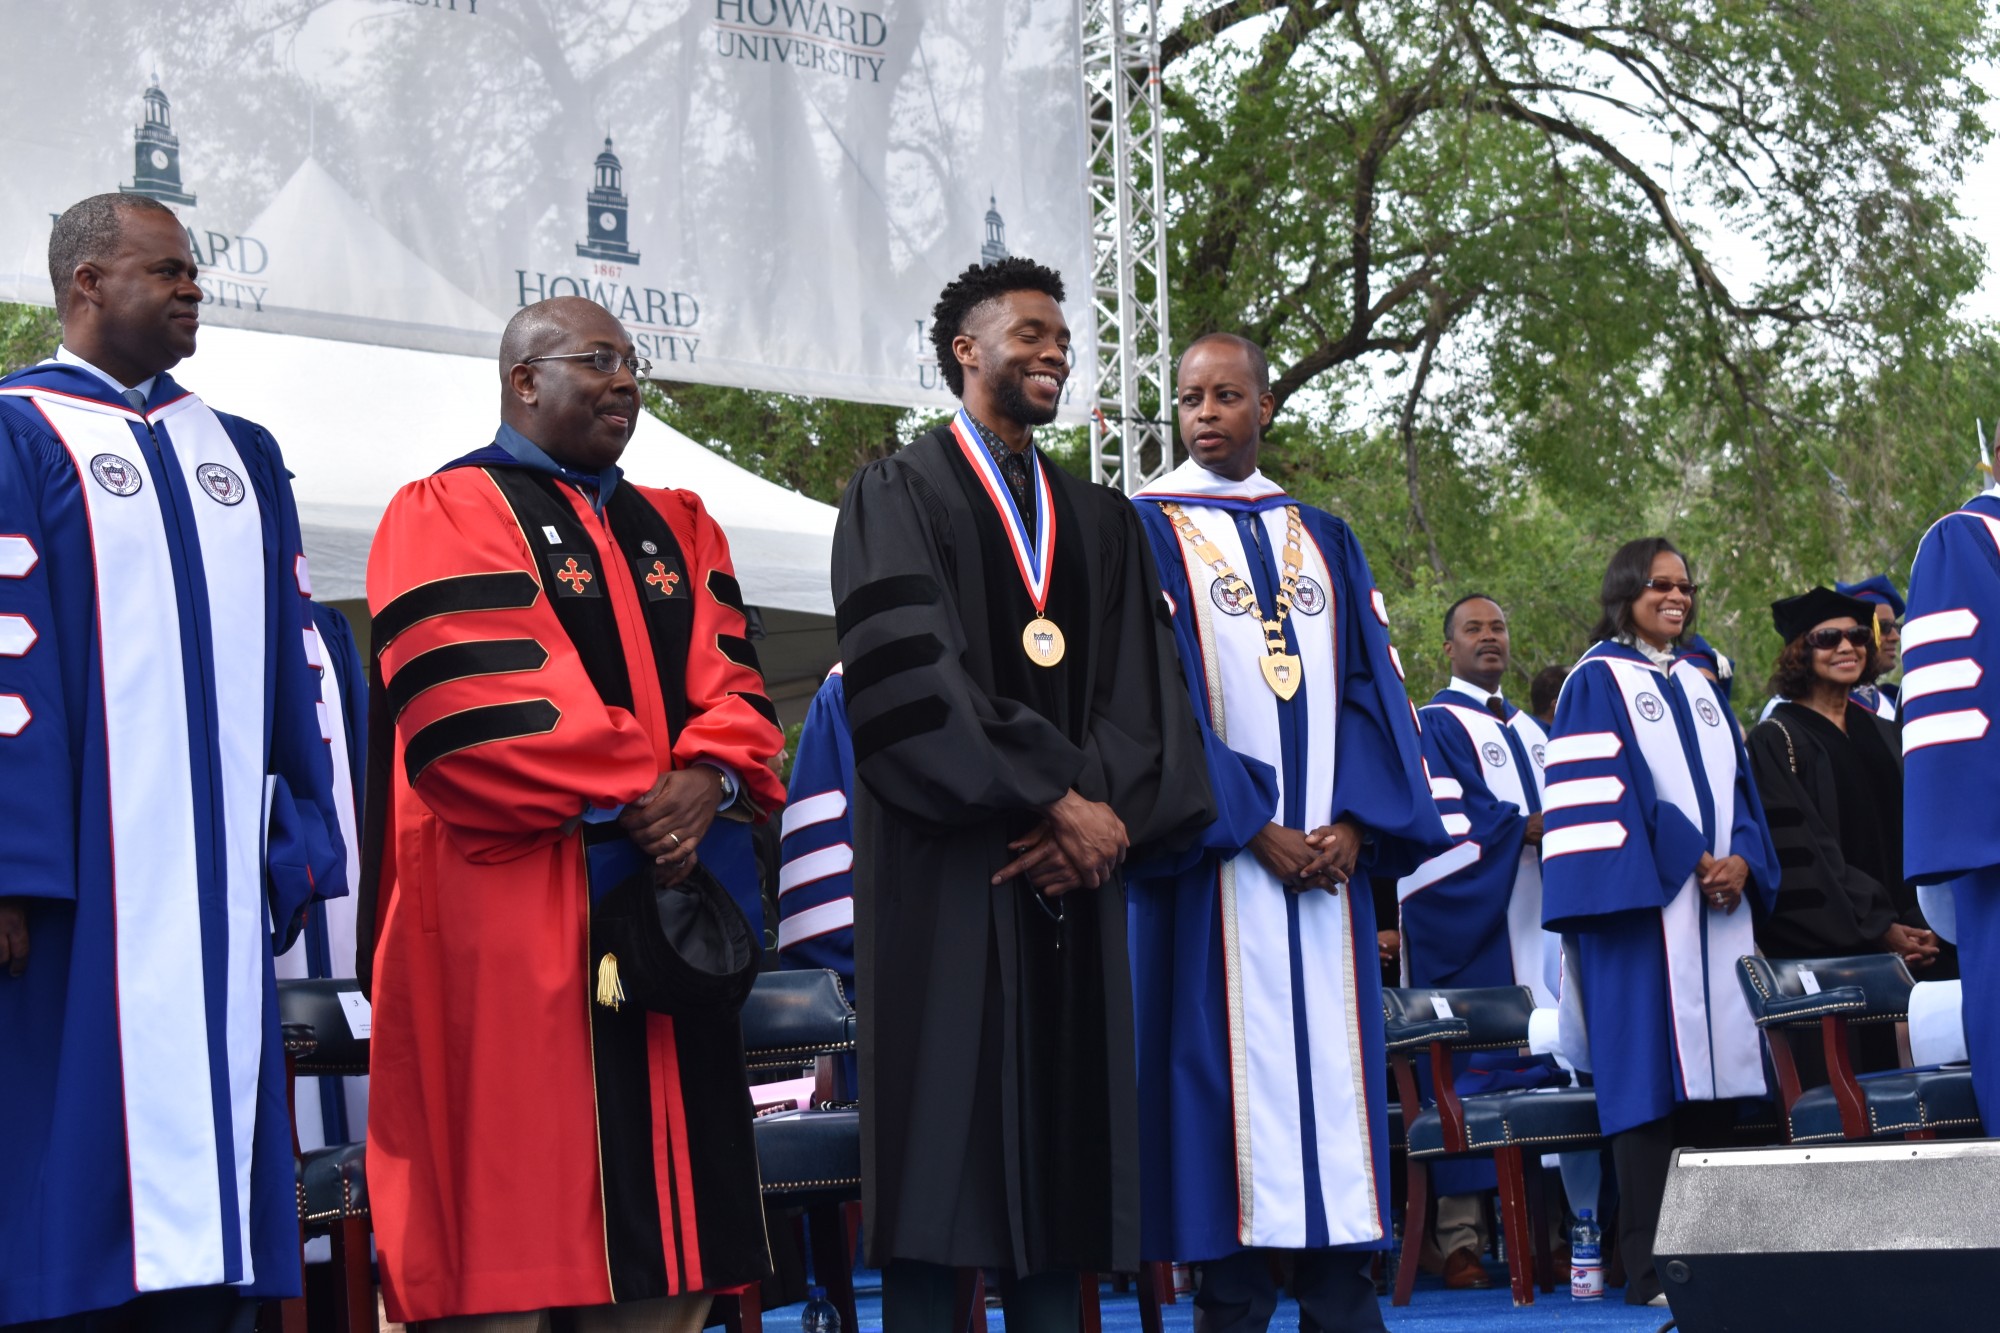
x,y
332,1181
1513,1128
795,1022
1849,994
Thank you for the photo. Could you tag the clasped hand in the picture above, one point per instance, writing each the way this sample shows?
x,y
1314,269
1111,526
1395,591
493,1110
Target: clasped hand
x,y
1078,844
1322,859
668,822
1721,881
1917,947
13,936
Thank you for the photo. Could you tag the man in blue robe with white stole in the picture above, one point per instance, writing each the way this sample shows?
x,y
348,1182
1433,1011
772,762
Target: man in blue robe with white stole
x,y
1473,915
1256,983
1951,751
166,809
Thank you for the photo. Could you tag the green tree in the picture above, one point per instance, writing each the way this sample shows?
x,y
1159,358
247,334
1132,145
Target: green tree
x,y
1568,274
28,333
813,445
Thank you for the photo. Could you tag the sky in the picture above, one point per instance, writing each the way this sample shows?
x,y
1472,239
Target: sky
x,y
1979,201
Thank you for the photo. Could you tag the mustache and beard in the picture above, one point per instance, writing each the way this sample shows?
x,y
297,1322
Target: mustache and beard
x,y
1011,394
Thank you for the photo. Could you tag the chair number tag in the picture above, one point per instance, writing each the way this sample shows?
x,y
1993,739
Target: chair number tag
x,y
360,1018
1808,982
1442,1005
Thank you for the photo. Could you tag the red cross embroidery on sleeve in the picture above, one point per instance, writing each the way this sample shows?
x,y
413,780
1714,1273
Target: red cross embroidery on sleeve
x,y
574,575
663,578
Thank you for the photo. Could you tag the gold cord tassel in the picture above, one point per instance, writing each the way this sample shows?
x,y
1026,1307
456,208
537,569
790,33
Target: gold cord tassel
x,y
610,993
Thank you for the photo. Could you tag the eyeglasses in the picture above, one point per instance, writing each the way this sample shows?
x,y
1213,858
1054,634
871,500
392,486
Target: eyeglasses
x,y
1681,586
1859,636
604,361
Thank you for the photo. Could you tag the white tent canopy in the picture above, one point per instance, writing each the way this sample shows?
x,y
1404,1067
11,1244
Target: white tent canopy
x,y
356,422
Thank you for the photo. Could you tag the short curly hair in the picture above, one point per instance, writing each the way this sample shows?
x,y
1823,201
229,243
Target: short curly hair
x,y
1792,674
973,288
90,231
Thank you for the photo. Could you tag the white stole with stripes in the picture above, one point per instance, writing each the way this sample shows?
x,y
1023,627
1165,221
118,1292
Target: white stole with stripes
x,y
174,1141
1271,1202
1721,1052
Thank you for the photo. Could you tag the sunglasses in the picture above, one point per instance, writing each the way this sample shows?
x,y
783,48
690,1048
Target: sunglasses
x,y
1681,586
1829,638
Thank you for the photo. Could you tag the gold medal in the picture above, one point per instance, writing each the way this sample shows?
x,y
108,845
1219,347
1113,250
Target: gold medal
x,y
1281,673
1042,640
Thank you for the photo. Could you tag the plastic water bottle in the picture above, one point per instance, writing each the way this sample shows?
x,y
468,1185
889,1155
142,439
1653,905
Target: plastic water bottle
x,y
1586,1260
821,1317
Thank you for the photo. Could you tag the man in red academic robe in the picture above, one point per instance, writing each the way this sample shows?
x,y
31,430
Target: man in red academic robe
x,y
568,682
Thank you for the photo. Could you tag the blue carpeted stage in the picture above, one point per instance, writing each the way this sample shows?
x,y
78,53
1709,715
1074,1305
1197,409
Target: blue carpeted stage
x,y
1434,1310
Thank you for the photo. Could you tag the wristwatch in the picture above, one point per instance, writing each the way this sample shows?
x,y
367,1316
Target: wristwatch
x,y
728,784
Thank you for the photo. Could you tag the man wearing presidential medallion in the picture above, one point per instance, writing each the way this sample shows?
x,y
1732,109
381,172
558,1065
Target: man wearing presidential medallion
x,y
1258,996
1018,724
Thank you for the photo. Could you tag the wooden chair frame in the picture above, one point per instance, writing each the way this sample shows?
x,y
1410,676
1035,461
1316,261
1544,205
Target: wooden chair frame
x,y
1523,1202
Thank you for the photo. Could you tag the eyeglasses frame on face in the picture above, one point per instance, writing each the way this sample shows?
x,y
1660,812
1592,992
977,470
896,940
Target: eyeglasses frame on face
x,y
1860,636
1681,586
638,365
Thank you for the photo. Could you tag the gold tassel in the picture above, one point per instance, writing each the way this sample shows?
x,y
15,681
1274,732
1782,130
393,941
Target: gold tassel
x,y
610,993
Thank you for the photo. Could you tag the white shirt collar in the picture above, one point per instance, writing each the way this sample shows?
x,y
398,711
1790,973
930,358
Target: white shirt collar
x,y
1663,658
69,358
1192,479
1464,686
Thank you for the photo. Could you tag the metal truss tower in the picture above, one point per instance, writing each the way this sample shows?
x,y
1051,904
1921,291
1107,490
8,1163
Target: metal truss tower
x,y
1131,440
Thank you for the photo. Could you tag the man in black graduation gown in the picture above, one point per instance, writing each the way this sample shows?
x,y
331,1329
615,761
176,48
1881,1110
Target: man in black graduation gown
x,y
1019,721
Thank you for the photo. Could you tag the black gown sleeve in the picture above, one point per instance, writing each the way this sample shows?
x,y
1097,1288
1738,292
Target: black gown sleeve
x,y
1827,907
929,742
1143,746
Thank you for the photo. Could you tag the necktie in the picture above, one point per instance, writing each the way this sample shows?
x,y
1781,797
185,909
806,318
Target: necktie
x,y
1497,706
1014,467
137,399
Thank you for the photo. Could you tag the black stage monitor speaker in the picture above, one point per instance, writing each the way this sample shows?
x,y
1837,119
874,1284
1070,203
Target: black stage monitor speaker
x,y
1836,1238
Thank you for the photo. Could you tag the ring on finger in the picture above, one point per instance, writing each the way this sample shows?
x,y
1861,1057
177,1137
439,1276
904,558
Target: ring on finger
x,y
675,836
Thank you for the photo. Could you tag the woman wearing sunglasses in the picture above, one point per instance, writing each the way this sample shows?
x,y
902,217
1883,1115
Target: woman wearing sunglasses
x,y
1655,861
1830,773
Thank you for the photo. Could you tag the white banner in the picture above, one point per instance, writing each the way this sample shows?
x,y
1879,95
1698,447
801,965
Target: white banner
x,y
769,193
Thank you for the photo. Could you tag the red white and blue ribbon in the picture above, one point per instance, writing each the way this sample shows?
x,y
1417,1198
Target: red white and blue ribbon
x,y
1034,558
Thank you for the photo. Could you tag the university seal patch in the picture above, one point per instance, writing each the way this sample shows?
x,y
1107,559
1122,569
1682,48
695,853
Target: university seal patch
x,y
116,475
1494,754
1226,601
1650,707
1707,712
222,485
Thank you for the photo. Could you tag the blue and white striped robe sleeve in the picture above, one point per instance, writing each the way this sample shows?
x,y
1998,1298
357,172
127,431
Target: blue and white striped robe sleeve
x,y
1609,843
816,858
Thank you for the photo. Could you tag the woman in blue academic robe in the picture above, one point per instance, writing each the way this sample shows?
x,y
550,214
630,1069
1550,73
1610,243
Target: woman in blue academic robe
x,y
1655,862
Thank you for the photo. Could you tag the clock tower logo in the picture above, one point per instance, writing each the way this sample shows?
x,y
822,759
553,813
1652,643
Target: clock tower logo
x,y
156,153
995,248
608,209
